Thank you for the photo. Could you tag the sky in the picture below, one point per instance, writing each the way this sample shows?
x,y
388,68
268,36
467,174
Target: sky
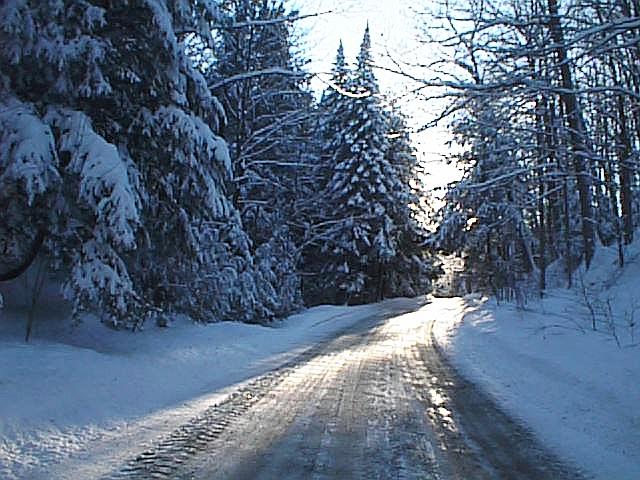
x,y
394,33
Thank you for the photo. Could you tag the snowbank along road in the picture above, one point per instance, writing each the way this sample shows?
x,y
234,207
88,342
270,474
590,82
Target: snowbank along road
x,y
376,401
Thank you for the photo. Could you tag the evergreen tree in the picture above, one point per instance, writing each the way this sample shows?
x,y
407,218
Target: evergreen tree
x,y
359,193
410,271
333,111
334,107
108,158
372,241
262,86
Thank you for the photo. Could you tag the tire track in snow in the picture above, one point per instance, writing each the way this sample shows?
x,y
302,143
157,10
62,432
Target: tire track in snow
x,y
378,401
169,454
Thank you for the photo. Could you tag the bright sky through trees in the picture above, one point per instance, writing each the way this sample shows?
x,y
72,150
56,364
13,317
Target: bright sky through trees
x,y
394,34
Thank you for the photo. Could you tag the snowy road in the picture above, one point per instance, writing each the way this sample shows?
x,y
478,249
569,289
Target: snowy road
x,y
376,401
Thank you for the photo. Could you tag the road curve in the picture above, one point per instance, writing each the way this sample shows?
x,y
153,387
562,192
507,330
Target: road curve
x,y
378,401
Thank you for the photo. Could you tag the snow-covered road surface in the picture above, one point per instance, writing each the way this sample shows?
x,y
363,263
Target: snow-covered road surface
x,y
375,401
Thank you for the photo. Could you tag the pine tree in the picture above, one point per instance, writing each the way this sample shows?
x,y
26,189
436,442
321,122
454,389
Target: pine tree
x,y
373,242
334,107
359,193
332,115
263,87
108,148
410,271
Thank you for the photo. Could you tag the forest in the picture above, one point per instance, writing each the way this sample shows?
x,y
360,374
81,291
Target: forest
x,y
166,157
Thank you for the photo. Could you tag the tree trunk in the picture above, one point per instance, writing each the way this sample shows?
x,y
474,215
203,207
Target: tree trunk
x,y
625,174
577,132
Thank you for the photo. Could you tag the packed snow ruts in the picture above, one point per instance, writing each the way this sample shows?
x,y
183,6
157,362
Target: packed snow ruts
x,y
169,454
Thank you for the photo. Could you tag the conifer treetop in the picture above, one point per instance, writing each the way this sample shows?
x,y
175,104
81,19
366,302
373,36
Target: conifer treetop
x,y
340,65
365,48
365,78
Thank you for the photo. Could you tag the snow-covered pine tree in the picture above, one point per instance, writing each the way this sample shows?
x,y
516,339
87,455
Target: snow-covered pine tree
x,y
360,194
108,152
332,114
334,107
410,271
264,90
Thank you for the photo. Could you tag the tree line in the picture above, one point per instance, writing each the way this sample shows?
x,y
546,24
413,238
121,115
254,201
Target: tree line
x,y
544,97
169,157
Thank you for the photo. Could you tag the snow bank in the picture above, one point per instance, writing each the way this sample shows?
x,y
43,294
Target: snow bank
x,y
78,401
576,388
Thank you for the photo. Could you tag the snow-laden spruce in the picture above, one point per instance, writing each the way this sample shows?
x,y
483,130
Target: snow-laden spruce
x,y
368,194
108,154
410,271
258,76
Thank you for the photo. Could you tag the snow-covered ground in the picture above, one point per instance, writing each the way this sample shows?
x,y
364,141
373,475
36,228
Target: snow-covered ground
x,y
577,389
79,401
